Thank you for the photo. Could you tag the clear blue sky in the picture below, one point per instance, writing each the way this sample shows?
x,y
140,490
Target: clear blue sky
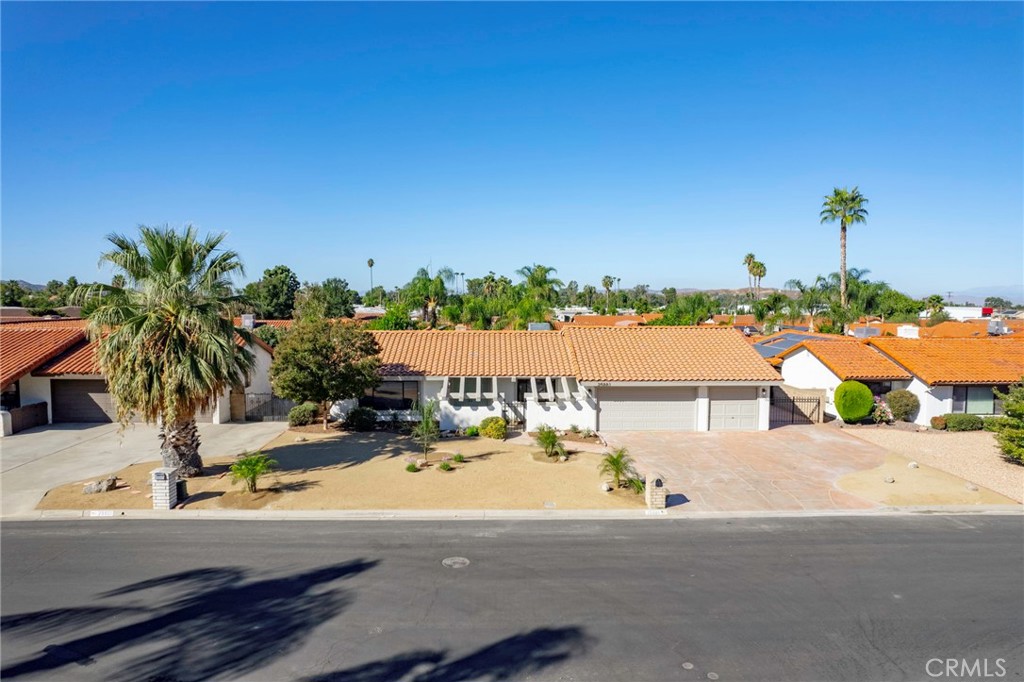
x,y
655,142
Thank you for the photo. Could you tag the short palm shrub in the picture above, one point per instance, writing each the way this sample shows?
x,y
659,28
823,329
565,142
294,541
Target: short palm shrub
x,y
302,415
548,439
619,465
473,431
853,401
361,419
938,423
904,404
494,427
963,422
1010,427
637,485
249,468
427,431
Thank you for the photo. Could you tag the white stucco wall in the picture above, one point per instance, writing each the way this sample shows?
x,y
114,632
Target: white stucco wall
x,y
561,414
935,400
259,379
764,395
802,370
36,390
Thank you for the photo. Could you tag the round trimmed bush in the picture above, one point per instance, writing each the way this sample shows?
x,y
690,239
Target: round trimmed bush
x,y
963,422
361,419
854,401
938,423
302,415
904,404
494,427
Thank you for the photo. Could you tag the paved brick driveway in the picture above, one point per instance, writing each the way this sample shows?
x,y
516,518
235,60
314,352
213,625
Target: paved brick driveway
x,y
786,469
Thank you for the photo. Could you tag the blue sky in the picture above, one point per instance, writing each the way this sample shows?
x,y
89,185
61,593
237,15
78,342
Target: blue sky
x,y
657,143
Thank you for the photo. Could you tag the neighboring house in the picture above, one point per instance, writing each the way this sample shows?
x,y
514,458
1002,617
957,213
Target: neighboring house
x,y
773,346
948,375
610,320
601,378
950,329
817,364
52,362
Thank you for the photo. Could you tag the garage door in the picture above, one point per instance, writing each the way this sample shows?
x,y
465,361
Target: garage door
x,y
733,409
646,408
81,400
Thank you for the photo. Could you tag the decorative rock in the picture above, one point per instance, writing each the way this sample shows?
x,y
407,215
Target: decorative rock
x,y
104,486
300,439
563,458
890,479
973,488
606,487
421,463
912,465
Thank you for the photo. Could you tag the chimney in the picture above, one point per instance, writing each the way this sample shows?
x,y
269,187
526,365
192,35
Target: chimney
x,y
248,321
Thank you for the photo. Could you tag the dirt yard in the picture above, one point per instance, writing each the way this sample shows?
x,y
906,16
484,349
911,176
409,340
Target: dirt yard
x,y
367,471
972,455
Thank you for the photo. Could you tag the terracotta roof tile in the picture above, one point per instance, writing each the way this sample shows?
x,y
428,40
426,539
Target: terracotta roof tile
x,y
998,360
852,360
474,353
43,323
22,349
78,360
606,321
666,354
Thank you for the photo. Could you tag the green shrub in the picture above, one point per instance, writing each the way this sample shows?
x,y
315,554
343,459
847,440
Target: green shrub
x,y
458,458
548,439
904,404
494,427
411,468
853,401
573,428
587,433
963,422
249,468
997,424
938,423
361,419
1010,428
302,415
473,431
445,466
637,485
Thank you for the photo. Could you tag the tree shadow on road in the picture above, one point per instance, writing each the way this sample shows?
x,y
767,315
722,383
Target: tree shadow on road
x,y
189,625
515,657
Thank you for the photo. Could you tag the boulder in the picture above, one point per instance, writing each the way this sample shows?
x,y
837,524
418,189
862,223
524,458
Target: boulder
x,y
890,479
104,486
912,465
606,487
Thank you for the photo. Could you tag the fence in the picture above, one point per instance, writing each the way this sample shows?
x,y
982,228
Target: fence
x,y
266,407
28,416
787,409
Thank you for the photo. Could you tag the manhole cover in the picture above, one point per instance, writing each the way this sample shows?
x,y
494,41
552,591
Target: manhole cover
x,y
455,562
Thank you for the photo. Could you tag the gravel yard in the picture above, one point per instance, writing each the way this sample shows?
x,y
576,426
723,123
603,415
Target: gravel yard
x,y
971,455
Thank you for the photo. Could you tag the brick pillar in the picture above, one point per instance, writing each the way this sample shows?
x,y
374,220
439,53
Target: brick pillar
x,y
165,487
655,491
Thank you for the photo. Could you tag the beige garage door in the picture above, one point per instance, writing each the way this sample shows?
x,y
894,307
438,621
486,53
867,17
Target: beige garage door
x,y
646,408
733,409
81,400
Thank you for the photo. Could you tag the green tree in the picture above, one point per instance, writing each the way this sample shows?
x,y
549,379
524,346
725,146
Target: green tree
x,y
396,316
749,261
165,343
845,207
589,293
997,302
607,282
539,284
687,310
1010,427
811,298
323,361
758,270
340,299
270,334
670,294
273,297
12,293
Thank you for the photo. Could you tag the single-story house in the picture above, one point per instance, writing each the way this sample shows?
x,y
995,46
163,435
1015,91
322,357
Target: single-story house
x,y
599,378
948,375
52,362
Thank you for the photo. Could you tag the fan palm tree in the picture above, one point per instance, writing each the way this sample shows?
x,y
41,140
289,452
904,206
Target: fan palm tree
x,y
749,261
539,284
166,343
369,264
759,270
845,207
607,282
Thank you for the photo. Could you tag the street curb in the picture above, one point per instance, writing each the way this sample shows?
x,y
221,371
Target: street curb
x,y
493,514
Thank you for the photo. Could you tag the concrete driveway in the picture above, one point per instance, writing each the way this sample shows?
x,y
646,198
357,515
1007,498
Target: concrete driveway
x,y
791,468
33,461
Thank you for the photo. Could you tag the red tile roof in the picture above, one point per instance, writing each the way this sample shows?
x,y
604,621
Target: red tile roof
x,y
990,360
852,360
22,349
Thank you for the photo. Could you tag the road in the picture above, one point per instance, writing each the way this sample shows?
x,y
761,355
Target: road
x,y
840,598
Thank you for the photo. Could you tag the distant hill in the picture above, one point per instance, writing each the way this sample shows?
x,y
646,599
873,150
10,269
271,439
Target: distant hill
x,y
28,286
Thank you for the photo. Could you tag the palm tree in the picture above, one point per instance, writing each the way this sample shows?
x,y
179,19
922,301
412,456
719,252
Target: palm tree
x,y
607,282
619,465
538,282
589,292
811,297
369,263
759,270
846,207
166,343
749,261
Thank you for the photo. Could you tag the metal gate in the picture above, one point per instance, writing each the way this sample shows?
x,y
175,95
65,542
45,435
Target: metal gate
x,y
266,407
787,409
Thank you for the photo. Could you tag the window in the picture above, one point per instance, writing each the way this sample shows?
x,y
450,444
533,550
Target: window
x,y
879,387
976,400
392,395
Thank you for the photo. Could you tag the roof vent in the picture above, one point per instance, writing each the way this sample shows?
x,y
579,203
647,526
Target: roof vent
x,y
908,331
248,321
996,327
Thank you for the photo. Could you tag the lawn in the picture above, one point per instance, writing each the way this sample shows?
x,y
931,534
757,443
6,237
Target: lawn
x,y
367,471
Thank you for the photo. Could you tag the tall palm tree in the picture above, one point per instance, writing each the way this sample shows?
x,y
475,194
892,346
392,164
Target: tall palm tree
x,y
166,342
845,207
369,264
759,270
749,261
539,284
589,292
607,282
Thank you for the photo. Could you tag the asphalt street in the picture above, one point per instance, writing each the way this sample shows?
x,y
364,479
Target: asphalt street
x,y
827,598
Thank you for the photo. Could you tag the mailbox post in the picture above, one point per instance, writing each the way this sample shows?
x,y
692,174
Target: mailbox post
x,y
655,491
165,487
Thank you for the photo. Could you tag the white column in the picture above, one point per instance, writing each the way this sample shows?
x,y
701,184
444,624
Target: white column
x,y
763,407
703,408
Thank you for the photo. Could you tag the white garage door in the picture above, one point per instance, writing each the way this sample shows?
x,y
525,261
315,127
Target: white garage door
x,y
733,409
646,408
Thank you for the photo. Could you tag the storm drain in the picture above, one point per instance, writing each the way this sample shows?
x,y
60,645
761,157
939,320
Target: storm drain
x,y
455,562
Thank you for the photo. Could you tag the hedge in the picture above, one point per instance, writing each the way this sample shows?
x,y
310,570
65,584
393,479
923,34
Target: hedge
x,y
963,422
361,419
302,415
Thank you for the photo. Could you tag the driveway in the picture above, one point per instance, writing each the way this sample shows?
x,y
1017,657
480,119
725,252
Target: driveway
x,y
33,461
791,468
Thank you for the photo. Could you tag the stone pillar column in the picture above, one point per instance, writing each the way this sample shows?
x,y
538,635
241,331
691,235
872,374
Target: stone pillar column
x,y
655,491
165,487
